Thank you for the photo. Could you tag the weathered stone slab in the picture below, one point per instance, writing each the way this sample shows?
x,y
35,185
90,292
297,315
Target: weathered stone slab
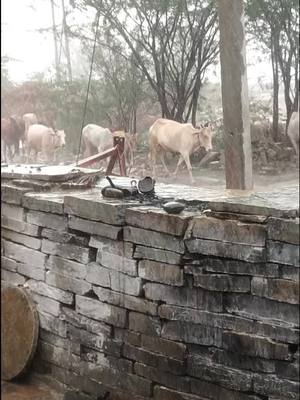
x,y
32,272
64,237
12,211
84,338
233,359
78,286
219,374
20,226
216,392
192,333
281,333
232,267
58,341
223,283
115,280
115,247
45,304
283,253
59,356
189,297
25,240
127,336
226,250
125,382
154,239
66,267
257,219
159,255
81,383
69,251
270,385
283,203
288,370
254,346
165,378
13,278
154,360
163,393
144,324
290,273
98,275
125,301
52,324
82,322
92,206
49,291
232,231
184,314
12,194
102,312
8,264
284,230
24,254
262,309
94,228
165,347
52,221
158,220
116,262
159,272
47,202
276,289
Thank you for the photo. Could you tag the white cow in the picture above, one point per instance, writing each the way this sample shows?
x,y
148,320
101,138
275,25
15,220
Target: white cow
x,y
96,139
168,135
41,138
293,131
29,119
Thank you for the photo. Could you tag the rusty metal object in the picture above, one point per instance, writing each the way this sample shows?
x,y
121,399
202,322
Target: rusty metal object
x,y
117,191
19,332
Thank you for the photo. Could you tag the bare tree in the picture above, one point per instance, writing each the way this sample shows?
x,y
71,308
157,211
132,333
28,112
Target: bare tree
x,y
172,43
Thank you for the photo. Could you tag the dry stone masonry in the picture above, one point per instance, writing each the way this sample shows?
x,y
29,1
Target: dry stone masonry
x,y
138,304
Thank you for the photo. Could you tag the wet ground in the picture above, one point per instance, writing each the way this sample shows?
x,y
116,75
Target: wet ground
x,y
28,391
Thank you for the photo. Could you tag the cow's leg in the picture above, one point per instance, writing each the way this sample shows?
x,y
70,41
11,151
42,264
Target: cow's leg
x,y
162,158
295,144
186,158
4,152
180,161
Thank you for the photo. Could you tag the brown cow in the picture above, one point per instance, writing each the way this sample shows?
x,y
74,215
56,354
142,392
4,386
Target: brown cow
x,y
12,131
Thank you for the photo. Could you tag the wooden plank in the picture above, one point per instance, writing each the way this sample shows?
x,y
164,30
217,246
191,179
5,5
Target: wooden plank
x,y
237,140
96,157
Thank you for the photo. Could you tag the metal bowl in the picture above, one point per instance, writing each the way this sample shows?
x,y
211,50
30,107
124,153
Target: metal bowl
x,y
173,207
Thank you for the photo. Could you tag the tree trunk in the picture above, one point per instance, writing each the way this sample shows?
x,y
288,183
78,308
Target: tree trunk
x,y
195,100
275,92
55,42
66,42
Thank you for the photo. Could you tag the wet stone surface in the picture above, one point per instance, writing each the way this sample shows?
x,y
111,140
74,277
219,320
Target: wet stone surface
x,y
283,202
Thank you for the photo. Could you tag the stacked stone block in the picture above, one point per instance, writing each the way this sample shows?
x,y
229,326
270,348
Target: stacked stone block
x,y
138,304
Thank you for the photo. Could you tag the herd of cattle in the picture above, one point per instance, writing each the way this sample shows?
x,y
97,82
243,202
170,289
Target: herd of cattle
x,y
164,136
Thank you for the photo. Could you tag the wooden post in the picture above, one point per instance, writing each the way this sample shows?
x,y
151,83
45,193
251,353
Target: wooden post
x,y
237,139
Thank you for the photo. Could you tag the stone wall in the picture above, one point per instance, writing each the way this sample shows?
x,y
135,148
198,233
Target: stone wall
x,y
138,304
